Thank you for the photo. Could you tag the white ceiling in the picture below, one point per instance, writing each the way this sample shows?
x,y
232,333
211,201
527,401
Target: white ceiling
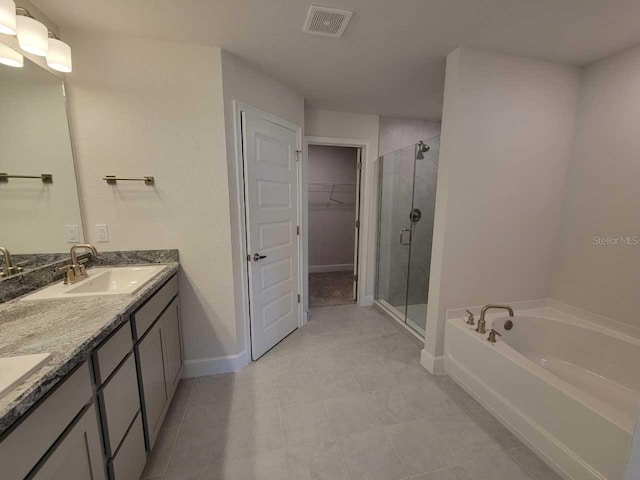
x,y
391,59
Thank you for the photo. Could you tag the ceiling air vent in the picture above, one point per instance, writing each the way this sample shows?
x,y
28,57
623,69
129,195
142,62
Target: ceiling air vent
x,y
326,21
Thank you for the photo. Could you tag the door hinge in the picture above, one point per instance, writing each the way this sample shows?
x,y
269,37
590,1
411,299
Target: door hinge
x,y
297,229
357,223
359,165
298,298
355,278
298,155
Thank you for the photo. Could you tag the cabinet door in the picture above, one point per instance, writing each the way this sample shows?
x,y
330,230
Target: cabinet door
x,y
152,379
77,455
172,346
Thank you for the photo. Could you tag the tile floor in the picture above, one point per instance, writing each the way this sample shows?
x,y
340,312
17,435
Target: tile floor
x,y
343,398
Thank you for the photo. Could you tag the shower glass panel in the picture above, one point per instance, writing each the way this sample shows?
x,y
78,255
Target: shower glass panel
x,y
394,227
407,187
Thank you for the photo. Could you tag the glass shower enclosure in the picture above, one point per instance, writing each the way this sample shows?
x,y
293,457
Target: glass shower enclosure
x,y
406,201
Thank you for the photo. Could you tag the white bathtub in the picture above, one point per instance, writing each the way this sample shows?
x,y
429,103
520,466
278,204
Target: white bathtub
x,y
567,388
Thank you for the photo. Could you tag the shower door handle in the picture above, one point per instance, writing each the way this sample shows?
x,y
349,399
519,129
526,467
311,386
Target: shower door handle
x,y
402,236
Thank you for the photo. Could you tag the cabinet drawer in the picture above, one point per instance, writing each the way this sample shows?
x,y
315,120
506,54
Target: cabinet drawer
x,y
112,351
130,459
25,446
146,314
120,402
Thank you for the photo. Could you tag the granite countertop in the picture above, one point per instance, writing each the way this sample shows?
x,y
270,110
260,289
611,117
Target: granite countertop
x,y
68,329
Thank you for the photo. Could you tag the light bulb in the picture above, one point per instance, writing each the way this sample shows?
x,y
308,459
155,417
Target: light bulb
x,y
33,36
9,57
8,17
59,55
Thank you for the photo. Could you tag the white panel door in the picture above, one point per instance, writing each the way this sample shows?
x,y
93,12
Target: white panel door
x,y
271,203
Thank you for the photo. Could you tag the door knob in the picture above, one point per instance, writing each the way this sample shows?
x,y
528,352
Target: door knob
x,y
257,256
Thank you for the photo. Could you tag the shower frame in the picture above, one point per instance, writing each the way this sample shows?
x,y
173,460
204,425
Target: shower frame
x,y
383,304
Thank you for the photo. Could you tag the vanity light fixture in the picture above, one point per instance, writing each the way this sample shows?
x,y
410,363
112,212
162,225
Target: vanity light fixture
x,y
59,54
9,57
8,17
33,36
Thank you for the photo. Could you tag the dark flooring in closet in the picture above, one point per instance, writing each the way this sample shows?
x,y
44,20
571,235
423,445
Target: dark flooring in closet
x,y
330,288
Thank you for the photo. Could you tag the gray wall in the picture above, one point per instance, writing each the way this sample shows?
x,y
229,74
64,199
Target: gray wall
x,y
501,179
602,197
331,225
396,133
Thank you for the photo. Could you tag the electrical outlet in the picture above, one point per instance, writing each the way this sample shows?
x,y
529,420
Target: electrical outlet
x,y
103,233
72,233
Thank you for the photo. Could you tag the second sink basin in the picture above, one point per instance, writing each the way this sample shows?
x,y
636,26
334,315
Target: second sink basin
x,y
101,281
14,369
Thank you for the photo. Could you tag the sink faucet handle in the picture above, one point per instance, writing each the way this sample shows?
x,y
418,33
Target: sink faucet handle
x,y
470,318
69,274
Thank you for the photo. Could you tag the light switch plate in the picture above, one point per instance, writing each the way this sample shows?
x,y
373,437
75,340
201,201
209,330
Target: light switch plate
x,y
72,233
103,232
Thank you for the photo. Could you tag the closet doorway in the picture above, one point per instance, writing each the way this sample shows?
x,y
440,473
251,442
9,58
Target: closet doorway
x,y
333,186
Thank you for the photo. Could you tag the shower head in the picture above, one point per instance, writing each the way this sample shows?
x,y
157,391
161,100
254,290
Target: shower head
x,y
421,149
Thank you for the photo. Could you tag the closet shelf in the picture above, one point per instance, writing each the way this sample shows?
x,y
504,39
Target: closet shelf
x,y
332,187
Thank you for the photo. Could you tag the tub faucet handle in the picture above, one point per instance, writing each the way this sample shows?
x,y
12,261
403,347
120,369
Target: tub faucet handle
x,y
470,319
492,336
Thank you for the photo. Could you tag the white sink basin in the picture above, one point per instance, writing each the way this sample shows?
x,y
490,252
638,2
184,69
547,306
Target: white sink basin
x,y
101,281
14,369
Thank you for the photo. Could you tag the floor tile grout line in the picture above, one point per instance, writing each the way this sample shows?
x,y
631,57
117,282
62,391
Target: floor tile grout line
x,y
495,455
284,442
175,440
337,442
436,471
397,454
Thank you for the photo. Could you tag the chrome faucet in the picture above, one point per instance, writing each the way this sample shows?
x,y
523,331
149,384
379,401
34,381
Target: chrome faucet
x,y
482,323
75,272
9,268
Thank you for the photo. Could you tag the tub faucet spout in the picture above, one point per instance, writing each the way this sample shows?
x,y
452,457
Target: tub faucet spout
x,y
482,323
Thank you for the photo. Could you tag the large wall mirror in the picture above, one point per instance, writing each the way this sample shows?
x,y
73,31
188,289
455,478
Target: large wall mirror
x,y
39,205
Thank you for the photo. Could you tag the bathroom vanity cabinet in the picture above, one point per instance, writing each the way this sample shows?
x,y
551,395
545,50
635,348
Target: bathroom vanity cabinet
x,y
60,437
103,418
156,328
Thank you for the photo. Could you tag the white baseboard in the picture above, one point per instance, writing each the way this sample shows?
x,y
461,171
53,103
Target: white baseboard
x,y
339,267
435,365
202,367
367,301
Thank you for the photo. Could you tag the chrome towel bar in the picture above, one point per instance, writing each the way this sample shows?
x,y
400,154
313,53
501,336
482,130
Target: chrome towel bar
x,y
45,177
113,180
